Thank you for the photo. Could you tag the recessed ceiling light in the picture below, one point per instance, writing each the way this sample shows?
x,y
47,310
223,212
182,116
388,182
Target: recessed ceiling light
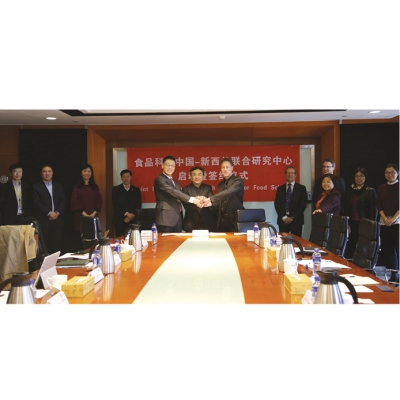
x,y
51,118
374,112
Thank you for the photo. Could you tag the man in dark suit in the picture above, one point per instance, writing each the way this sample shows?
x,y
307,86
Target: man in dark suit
x,y
126,200
198,217
290,203
228,199
328,166
169,197
15,198
49,204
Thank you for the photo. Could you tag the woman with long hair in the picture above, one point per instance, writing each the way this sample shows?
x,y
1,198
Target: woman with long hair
x,y
86,198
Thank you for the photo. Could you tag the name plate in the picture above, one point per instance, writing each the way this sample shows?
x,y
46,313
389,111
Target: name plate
x,y
59,298
200,232
97,274
146,235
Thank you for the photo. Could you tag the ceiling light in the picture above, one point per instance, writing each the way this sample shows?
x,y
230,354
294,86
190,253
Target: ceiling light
x,y
374,112
51,118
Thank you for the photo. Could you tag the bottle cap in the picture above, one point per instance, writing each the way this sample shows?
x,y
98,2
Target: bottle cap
x,y
316,249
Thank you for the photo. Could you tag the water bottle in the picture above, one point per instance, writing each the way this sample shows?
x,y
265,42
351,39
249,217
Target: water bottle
x,y
32,285
117,246
315,287
256,230
273,240
316,259
154,234
97,260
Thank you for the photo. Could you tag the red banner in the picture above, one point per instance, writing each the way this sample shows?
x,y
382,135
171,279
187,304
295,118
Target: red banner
x,y
261,167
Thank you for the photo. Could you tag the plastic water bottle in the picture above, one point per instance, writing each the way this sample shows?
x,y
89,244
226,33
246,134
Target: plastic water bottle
x,y
316,259
256,230
154,233
117,246
315,287
32,285
273,240
97,260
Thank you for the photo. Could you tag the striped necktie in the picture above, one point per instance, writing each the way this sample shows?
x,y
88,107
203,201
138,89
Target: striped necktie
x,y
288,194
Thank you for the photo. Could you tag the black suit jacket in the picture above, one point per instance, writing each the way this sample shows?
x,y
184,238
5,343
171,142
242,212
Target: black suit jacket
x,y
168,198
125,201
298,202
208,215
229,197
9,203
42,203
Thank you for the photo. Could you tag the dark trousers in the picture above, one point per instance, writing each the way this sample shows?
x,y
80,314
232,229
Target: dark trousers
x,y
52,235
294,227
121,229
389,256
226,224
353,237
170,229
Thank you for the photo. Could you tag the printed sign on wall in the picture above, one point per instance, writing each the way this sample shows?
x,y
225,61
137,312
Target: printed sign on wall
x,y
261,167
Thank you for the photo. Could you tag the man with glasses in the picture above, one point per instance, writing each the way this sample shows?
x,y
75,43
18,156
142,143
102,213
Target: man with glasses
x,y
290,203
328,166
169,196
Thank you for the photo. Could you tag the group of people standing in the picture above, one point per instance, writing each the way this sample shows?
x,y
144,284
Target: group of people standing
x,y
359,201
46,201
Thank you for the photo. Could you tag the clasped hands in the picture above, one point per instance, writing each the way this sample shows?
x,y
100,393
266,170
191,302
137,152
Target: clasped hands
x,y
202,201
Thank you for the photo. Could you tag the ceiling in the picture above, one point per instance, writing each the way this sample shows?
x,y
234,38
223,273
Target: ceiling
x,y
146,117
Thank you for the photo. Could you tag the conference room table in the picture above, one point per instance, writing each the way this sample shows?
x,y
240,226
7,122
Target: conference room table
x,y
188,271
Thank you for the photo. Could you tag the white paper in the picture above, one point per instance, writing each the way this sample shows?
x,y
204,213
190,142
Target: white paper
x,y
366,301
359,288
359,280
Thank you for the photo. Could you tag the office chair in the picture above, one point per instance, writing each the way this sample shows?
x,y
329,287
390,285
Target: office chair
x,y
368,243
245,219
90,231
320,228
145,217
338,235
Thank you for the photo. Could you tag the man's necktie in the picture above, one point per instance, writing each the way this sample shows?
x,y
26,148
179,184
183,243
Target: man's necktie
x,y
288,194
172,180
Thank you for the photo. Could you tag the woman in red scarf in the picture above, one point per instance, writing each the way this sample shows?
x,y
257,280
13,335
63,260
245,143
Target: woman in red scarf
x,y
330,199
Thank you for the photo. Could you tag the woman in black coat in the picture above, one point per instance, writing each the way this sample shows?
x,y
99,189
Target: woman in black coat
x,y
360,203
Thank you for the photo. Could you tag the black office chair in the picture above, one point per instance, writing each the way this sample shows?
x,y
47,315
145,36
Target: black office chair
x,y
338,235
145,217
320,228
245,219
90,231
367,248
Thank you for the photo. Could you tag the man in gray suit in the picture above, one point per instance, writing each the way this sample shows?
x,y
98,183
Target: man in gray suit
x,y
169,197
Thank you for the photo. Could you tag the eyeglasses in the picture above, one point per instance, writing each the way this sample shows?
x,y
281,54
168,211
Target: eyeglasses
x,y
170,165
359,176
290,173
391,173
327,166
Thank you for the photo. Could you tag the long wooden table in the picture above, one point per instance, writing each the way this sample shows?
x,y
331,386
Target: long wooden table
x,y
261,281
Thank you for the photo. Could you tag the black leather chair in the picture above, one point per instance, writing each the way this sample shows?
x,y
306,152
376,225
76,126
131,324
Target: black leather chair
x,y
368,243
90,231
145,217
245,219
338,235
320,228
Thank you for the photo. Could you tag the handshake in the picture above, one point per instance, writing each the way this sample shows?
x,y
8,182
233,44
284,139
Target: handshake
x,y
202,201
